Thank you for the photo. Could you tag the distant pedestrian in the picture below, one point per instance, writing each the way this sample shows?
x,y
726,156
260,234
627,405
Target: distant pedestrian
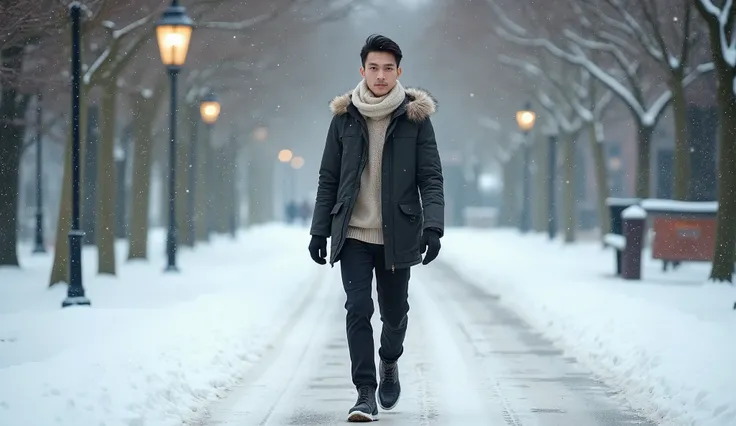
x,y
380,199
292,212
305,211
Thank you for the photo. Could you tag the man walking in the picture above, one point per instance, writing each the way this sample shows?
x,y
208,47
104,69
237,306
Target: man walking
x,y
380,199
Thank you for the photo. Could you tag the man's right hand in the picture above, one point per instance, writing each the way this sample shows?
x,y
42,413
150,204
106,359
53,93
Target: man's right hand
x,y
318,249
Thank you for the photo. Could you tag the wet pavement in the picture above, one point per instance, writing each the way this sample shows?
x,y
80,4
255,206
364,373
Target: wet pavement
x,y
468,361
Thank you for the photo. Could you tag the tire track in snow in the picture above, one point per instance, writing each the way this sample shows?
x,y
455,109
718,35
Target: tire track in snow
x,y
454,342
531,378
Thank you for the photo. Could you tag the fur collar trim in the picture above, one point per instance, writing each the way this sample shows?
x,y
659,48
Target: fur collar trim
x,y
421,104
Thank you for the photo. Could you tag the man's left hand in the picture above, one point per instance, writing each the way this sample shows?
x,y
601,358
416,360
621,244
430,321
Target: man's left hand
x,y
431,244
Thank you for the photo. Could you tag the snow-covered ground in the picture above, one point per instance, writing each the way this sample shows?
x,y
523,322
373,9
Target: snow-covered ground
x,y
158,349
154,348
667,341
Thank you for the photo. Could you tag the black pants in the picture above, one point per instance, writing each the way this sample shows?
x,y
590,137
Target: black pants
x,y
357,263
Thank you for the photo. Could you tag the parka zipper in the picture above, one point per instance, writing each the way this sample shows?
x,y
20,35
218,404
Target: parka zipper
x,y
389,144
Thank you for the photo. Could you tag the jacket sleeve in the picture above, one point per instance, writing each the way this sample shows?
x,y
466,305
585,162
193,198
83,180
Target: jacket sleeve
x,y
429,179
329,179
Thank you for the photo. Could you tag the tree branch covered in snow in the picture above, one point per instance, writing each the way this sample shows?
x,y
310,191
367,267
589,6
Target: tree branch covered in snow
x,y
723,19
578,48
117,54
574,102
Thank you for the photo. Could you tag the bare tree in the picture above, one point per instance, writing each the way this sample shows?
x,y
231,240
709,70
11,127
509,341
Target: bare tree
x,y
117,48
22,25
573,101
720,17
671,40
576,47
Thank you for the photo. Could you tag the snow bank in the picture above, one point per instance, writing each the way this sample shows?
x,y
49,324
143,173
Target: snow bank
x,y
154,348
667,342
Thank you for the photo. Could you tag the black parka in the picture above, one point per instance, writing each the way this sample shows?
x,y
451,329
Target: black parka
x,y
412,195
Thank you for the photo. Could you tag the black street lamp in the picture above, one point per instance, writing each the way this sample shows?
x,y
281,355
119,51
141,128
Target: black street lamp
x,y
75,291
232,164
39,246
173,33
525,119
551,188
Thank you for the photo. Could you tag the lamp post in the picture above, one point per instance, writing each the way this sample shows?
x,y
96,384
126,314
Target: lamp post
x,y
285,157
551,188
39,245
525,119
209,109
296,163
233,202
173,33
75,291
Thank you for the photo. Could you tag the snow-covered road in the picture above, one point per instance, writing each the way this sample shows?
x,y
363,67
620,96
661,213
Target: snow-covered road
x,y
468,360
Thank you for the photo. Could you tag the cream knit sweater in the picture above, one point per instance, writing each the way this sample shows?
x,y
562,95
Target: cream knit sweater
x,y
366,223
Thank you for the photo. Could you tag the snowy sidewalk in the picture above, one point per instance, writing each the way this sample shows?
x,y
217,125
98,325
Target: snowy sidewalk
x,y
154,348
467,361
666,341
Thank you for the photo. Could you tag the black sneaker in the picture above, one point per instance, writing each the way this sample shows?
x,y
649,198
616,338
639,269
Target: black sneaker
x,y
390,389
365,409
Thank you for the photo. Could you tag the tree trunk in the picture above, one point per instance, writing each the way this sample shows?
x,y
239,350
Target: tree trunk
x,y
223,191
541,183
601,178
189,144
106,188
235,218
725,244
681,161
12,111
182,176
261,188
231,183
60,268
88,207
644,164
202,187
568,176
507,194
141,190
517,173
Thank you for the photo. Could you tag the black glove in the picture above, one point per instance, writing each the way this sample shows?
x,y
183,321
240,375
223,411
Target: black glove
x,y
431,244
318,249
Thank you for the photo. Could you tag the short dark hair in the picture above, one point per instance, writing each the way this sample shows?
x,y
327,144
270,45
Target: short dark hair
x,y
379,43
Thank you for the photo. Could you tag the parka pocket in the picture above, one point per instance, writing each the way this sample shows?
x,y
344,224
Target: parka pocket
x,y
413,211
408,231
337,218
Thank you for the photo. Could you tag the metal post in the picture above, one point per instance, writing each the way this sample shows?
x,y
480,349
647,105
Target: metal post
x,y
192,181
552,224
75,290
171,236
525,209
211,185
232,164
39,240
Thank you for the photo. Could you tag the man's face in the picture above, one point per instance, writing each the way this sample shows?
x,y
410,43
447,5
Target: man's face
x,y
380,72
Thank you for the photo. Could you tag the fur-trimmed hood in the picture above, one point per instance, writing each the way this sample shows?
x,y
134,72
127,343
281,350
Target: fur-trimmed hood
x,y
420,106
